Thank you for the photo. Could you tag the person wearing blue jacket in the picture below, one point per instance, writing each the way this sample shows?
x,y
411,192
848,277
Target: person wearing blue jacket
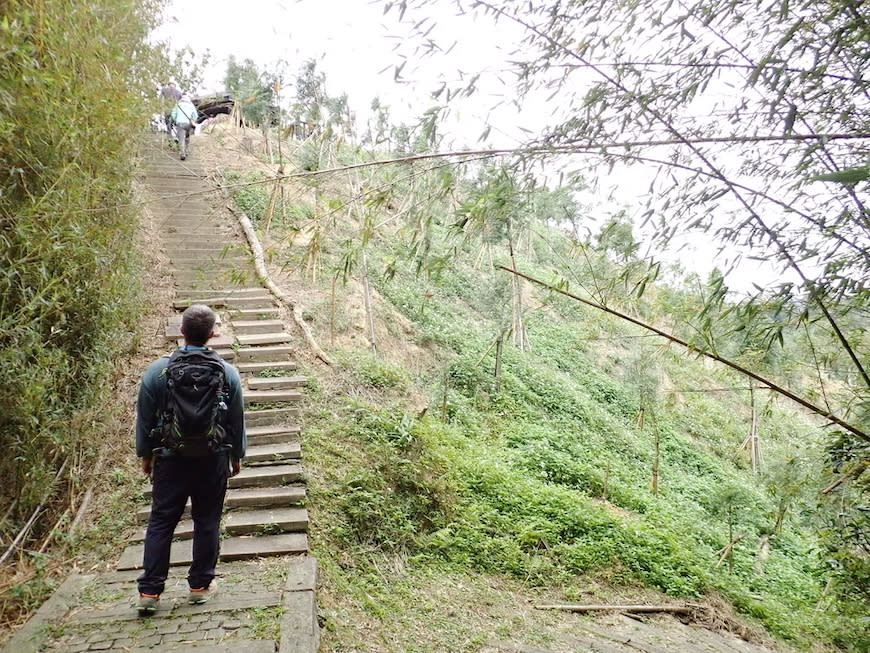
x,y
184,116
177,477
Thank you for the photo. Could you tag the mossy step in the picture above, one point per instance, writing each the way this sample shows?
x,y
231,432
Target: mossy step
x,y
255,367
271,416
276,382
232,548
255,313
255,339
277,452
271,396
248,522
247,497
264,353
263,435
228,302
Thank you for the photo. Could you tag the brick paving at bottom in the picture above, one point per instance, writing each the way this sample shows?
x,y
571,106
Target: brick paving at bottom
x,y
255,610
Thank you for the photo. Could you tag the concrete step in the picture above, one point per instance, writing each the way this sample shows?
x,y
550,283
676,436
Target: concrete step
x,y
220,301
232,548
247,497
261,435
264,353
267,521
227,292
246,327
278,452
204,240
253,397
255,339
276,382
227,354
250,368
204,250
216,343
268,476
273,475
271,417
270,313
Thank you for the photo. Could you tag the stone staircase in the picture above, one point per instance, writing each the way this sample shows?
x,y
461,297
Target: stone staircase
x,y
265,568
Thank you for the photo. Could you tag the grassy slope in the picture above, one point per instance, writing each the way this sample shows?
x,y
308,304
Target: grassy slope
x,y
422,468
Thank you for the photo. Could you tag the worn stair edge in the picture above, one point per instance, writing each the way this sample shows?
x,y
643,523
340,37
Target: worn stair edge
x,y
271,416
289,431
232,548
248,522
276,382
248,497
255,367
228,302
226,292
276,452
254,313
257,326
265,353
300,632
254,339
257,477
271,396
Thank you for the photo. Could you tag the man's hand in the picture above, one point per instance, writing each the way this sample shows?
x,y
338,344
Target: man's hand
x,y
147,467
235,467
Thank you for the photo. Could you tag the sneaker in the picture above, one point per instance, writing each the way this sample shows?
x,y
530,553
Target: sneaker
x,y
200,595
147,603
183,157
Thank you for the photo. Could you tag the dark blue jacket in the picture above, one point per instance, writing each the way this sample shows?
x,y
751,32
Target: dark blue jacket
x,y
152,399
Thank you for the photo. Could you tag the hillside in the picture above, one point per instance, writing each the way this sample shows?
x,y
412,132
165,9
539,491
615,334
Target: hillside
x,y
457,484
436,469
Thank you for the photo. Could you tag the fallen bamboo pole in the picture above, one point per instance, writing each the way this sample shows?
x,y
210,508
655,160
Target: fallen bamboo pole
x,y
263,274
569,607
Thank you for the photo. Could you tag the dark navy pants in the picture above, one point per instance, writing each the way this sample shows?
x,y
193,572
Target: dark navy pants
x,y
175,479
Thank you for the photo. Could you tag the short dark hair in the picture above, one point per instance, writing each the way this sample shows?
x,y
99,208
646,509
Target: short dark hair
x,y
197,324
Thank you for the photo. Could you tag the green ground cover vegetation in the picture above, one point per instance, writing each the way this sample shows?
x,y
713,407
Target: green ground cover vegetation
x,y
540,469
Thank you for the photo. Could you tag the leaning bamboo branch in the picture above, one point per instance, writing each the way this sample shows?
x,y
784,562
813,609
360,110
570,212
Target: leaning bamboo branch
x,y
854,430
22,533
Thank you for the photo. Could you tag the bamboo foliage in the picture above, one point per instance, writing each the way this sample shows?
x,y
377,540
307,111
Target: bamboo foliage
x,y
70,106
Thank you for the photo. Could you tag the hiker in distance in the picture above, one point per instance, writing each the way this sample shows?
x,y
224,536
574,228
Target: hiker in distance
x,y
184,116
190,437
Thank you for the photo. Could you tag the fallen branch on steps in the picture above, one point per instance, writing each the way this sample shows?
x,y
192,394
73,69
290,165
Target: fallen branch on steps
x,y
266,280
569,607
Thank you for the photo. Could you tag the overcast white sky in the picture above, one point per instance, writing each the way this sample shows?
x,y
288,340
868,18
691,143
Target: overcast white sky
x,y
357,46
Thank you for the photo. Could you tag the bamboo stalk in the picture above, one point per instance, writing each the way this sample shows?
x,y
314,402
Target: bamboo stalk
x,y
39,509
367,302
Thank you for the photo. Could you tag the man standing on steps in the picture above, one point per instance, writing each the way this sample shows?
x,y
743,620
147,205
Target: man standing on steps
x,y
187,462
184,115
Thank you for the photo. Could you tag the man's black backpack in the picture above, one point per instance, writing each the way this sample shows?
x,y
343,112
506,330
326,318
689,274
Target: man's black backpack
x,y
195,403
